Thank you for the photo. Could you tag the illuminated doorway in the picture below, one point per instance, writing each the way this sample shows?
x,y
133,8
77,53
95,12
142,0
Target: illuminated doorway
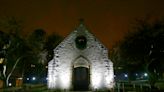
x,y
81,74
81,79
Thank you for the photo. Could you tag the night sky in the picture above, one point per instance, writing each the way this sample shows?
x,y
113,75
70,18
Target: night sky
x,y
109,20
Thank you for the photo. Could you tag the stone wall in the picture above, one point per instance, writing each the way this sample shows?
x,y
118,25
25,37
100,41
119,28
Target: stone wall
x,y
65,55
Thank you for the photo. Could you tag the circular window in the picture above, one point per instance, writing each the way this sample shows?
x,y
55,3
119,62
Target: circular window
x,y
81,42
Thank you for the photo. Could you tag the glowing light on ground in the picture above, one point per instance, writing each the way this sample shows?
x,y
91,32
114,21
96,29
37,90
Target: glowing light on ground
x,y
96,80
10,84
145,74
125,75
65,80
33,78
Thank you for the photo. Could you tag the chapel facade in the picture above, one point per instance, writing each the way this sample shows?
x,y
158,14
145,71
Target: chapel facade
x,y
80,63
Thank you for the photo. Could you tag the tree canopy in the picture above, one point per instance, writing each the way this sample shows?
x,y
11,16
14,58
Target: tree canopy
x,y
19,52
143,48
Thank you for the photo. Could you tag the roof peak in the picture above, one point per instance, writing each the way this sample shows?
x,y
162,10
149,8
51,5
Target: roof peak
x,y
81,21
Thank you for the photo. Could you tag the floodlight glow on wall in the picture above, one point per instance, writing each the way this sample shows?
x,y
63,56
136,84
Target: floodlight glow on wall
x,y
69,55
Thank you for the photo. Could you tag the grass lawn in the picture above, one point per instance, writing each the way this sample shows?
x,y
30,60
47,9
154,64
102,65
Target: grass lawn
x,y
43,88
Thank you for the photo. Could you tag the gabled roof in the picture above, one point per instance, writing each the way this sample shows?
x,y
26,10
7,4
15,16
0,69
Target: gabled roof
x,y
80,30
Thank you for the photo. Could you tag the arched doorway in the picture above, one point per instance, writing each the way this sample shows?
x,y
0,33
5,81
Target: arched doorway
x,y
81,74
81,79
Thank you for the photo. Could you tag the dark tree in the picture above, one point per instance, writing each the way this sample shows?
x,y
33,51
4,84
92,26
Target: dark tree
x,y
36,42
4,42
143,48
51,42
15,47
37,61
42,50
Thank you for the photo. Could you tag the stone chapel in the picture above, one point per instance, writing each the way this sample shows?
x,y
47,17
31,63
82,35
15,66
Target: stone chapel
x,y
80,63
